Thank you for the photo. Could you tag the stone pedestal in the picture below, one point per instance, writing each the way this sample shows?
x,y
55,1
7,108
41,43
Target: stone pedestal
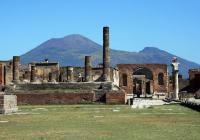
x,y
8,104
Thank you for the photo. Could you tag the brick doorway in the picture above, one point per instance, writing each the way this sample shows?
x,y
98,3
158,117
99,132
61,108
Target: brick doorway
x,y
142,82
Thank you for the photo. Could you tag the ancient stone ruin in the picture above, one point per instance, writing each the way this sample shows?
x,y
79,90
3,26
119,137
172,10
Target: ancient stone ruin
x,y
8,103
49,83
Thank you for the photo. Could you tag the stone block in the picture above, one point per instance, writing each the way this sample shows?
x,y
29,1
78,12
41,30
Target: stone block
x,y
8,104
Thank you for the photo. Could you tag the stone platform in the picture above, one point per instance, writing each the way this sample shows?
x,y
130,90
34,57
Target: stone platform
x,y
8,103
145,103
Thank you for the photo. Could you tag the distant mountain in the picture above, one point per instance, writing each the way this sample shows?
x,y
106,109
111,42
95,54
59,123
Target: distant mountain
x,y
70,51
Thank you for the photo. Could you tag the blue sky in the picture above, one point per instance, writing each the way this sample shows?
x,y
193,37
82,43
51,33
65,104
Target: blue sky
x,y
171,25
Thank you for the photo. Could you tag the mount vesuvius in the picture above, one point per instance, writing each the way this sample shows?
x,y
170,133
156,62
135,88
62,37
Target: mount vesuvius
x,y
71,49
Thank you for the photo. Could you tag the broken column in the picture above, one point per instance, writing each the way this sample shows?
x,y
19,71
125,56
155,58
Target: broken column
x,y
88,68
70,74
175,71
16,60
33,73
106,54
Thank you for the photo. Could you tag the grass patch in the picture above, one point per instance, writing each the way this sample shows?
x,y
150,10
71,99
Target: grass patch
x,y
100,122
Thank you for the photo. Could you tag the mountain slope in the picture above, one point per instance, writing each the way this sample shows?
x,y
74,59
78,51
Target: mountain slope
x,y
70,50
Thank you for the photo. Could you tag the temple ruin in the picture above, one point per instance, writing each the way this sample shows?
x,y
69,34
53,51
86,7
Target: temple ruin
x,y
49,83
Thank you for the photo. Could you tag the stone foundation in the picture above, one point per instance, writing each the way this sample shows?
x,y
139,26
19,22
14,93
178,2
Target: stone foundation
x,y
145,103
115,97
67,93
8,104
55,98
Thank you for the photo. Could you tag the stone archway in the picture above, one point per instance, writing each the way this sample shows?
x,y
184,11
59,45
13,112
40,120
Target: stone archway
x,y
142,82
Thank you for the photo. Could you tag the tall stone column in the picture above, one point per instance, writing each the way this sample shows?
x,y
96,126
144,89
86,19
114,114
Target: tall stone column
x,y
176,85
88,68
106,54
175,71
33,73
16,61
70,74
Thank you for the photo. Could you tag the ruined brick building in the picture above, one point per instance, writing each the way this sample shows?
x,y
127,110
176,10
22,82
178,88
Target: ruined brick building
x,y
194,78
143,79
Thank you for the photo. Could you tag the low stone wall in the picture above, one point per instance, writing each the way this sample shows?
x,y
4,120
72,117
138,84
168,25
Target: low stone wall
x,y
65,85
52,98
115,97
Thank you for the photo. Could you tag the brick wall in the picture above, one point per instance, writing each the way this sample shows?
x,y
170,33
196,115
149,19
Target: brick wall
x,y
52,98
194,76
1,101
129,69
115,97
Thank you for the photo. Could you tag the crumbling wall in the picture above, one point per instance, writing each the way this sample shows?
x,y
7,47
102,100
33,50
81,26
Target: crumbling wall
x,y
128,69
115,97
44,68
60,86
194,77
68,93
53,98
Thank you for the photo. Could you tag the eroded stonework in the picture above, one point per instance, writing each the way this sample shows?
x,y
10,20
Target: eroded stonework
x,y
153,78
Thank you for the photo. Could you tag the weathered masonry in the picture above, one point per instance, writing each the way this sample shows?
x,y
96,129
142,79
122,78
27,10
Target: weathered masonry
x,y
53,84
2,74
194,77
143,79
106,54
